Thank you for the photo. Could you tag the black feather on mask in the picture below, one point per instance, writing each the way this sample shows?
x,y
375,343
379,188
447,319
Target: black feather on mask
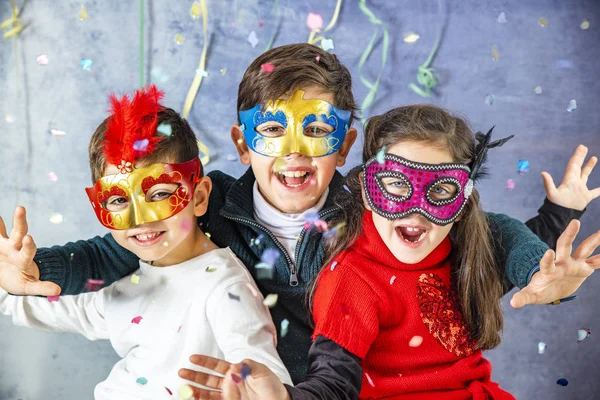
x,y
478,170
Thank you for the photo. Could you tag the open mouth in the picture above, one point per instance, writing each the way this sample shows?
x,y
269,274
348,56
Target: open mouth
x,y
147,238
294,179
411,234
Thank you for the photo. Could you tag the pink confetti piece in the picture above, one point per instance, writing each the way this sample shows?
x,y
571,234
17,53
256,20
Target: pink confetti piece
x,y
318,58
94,284
169,391
53,298
52,176
314,21
42,59
415,341
56,132
137,320
510,184
369,380
267,68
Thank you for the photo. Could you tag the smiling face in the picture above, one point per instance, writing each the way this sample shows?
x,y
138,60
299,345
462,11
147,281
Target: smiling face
x,y
293,183
413,238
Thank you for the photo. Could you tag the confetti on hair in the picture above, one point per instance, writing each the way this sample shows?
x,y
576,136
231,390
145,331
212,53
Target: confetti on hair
x,y
369,380
246,371
335,231
233,296
271,300
572,105
415,341
537,90
523,167
502,18
185,392
53,298
380,157
267,68
510,184
56,218
165,129
284,327
411,37
541,347
347,189
141,145
543,22
333,265
179,38
52,176
86,64
135,279
42,59
562,382
141,380
582,334
195,10
318,58
253,39
137,320
585,24
327,44
392,279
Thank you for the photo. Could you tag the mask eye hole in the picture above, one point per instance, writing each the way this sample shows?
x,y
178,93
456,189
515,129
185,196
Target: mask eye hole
x,y
393,185
271,129
443,191
161,191
115,203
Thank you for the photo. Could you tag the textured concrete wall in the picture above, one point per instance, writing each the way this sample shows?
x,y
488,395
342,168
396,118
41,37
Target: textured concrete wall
x,y
561,58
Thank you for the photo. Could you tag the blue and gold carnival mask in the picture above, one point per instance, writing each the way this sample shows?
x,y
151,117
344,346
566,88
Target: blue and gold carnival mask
x,y
295,115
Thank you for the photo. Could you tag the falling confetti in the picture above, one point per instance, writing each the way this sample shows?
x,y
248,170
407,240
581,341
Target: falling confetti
x,y
562,382
253,39
411,37
333,264
392,279
582,334
42,59
168,391
53,298
502,18
264,270
314,21
56,132
347,189
523,167
223,71
53,177
195,10
271,300
495,53
327,44
270,256
179,38
541,347
141,145
256,240
141,380
165,129
210,269
543,22
83,14
572,105
201,73
415,341
490,99
231,157
284,327
537,90
380,157
585,24
135,279
136,320
246,371
510,184
233,296
207,234
94,284
86,64
185,392
369,380
9,118
267,68
158,75
56,218
564,64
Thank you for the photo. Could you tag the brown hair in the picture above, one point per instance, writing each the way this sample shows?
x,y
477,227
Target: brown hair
x,y
476,276
179,147
296,66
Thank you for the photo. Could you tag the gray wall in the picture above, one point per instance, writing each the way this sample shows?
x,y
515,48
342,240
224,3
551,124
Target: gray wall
x,y
561,58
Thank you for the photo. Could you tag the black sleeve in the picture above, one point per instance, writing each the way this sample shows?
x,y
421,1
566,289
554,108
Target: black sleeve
x,y
551,222
333,373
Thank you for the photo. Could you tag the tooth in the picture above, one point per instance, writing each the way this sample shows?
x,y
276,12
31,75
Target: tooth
x,y
422,236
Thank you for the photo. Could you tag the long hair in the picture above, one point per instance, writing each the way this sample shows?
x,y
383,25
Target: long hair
x,y
476,276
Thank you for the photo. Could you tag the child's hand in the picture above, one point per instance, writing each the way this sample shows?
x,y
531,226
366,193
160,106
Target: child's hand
x,y
259,383
561,276
573,191
18,273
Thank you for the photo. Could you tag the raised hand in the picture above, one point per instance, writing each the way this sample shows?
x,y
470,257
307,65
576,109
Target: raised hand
x,y
561,275
573,191
19,274
247,380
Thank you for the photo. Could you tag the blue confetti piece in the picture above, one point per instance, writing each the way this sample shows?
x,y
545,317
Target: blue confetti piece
x,y
333,265
380,156
564,64
311,216
141,145
269,256
141,381
347,188
233,296
165,129
242,127
523,167
246,371
284,327
562,382
256,240
86,64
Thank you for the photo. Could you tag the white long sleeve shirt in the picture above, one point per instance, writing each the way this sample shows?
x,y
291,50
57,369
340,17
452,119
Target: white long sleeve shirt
x,y
207,305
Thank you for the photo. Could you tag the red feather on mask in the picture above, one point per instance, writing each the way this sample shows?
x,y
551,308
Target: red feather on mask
x,y
131,123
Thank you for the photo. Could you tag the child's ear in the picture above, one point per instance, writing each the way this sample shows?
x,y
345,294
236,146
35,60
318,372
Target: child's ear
x,y
201,195
240,144
362,191
346,146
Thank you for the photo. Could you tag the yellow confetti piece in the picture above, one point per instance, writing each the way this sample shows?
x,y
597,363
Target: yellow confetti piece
x,y
56,218
495,53
185,392
223,71
585,24
166,244
411,37
135,279
207,234
543,22
14,23
83,13
179,38
271,300
196,10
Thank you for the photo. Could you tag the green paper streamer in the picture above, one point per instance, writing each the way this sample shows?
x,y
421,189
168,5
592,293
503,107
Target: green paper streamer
x,y
426,76
275,9
142,78
372,86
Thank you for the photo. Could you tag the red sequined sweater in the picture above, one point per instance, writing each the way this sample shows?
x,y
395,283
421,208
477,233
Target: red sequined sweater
x,y
403,321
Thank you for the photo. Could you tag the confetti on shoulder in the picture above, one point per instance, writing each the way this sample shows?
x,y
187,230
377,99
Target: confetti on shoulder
x,y
135,279
53,298
233,296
